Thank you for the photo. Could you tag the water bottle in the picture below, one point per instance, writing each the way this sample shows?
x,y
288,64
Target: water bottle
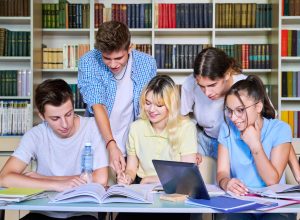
x,y
87,163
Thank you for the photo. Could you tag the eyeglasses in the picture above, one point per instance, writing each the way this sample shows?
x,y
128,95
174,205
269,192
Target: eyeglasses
x,y
239,112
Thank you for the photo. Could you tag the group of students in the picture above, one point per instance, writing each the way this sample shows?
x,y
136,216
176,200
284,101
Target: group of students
x,y
139,116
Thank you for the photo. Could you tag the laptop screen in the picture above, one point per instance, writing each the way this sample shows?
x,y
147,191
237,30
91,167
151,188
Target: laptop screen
x,y
181,177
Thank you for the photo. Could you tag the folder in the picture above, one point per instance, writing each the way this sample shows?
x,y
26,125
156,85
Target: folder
x,y
225,204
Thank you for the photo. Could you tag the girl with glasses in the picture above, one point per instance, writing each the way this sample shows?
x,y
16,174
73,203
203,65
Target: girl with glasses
x,y
251,153
202,97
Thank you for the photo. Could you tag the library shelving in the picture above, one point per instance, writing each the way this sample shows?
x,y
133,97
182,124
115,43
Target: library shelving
x,y
289,65
20,60
20,37
171,32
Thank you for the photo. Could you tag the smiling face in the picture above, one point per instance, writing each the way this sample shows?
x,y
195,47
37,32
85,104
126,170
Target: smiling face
x,y
116,60
156,111
61,119
242,114
213,89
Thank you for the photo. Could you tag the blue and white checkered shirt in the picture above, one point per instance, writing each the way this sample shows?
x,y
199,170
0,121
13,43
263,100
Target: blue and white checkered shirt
x,y
98,86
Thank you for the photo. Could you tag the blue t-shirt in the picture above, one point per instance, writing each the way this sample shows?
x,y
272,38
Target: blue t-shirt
x,y
242,165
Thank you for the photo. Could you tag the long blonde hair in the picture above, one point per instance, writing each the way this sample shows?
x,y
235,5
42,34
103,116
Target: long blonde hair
x,y
165,92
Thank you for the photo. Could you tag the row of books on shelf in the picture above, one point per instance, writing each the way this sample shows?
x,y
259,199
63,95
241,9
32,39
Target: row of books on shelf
x,y
290,84
290,42
293,119
63,58
250,56
134,15
291,8
146,48
65,15
77,97
14,117
243,15
15,82
15,8
176,56
14,43
183,15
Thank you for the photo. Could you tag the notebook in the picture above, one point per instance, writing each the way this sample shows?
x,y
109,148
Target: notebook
x,y
226,204
18,194
181,177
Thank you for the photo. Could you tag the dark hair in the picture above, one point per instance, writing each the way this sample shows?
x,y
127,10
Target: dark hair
x,y
254,88
213,63
54,92
112,36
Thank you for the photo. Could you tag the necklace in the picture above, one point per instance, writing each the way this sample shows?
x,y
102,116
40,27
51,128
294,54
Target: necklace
x,y
122,74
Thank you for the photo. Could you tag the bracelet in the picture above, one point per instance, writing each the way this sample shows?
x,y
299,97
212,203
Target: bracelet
x,y
108,142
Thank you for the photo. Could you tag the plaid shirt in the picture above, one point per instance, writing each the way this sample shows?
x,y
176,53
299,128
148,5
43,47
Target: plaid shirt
x,y
98,86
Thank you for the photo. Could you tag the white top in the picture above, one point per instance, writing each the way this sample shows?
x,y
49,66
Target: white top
x,y
57,156
208,113
122,112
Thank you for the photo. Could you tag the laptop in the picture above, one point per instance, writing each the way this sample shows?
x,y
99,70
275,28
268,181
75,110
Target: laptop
x,y
181,177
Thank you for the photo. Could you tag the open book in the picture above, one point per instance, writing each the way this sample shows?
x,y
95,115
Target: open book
x,y
279,191
96,193
18,194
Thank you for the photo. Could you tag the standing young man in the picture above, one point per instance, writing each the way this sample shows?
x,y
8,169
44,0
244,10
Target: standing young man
x,y
56,145
111,78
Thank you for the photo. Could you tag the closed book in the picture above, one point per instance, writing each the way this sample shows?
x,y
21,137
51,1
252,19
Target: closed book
x,y
291,7
284,43
157,55
289,50
294,43
129,15
244,15
289,84
210,14
142,16
297,7
286,7
225,204
178,16
284,92
18,194
205,16
237,13
191,16
291,121
294,87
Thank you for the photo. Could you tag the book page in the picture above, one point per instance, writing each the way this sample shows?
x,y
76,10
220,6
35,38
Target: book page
x,y
91,192
121,193
272,192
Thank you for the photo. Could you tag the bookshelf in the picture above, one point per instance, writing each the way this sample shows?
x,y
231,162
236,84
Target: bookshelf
x,y
226,31
289,66
19,67
16,21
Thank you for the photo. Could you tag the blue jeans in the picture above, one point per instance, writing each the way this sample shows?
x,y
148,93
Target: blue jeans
x,y
207,146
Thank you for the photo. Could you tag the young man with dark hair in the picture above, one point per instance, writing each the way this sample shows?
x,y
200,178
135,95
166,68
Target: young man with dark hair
x,y
111,78
56,145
